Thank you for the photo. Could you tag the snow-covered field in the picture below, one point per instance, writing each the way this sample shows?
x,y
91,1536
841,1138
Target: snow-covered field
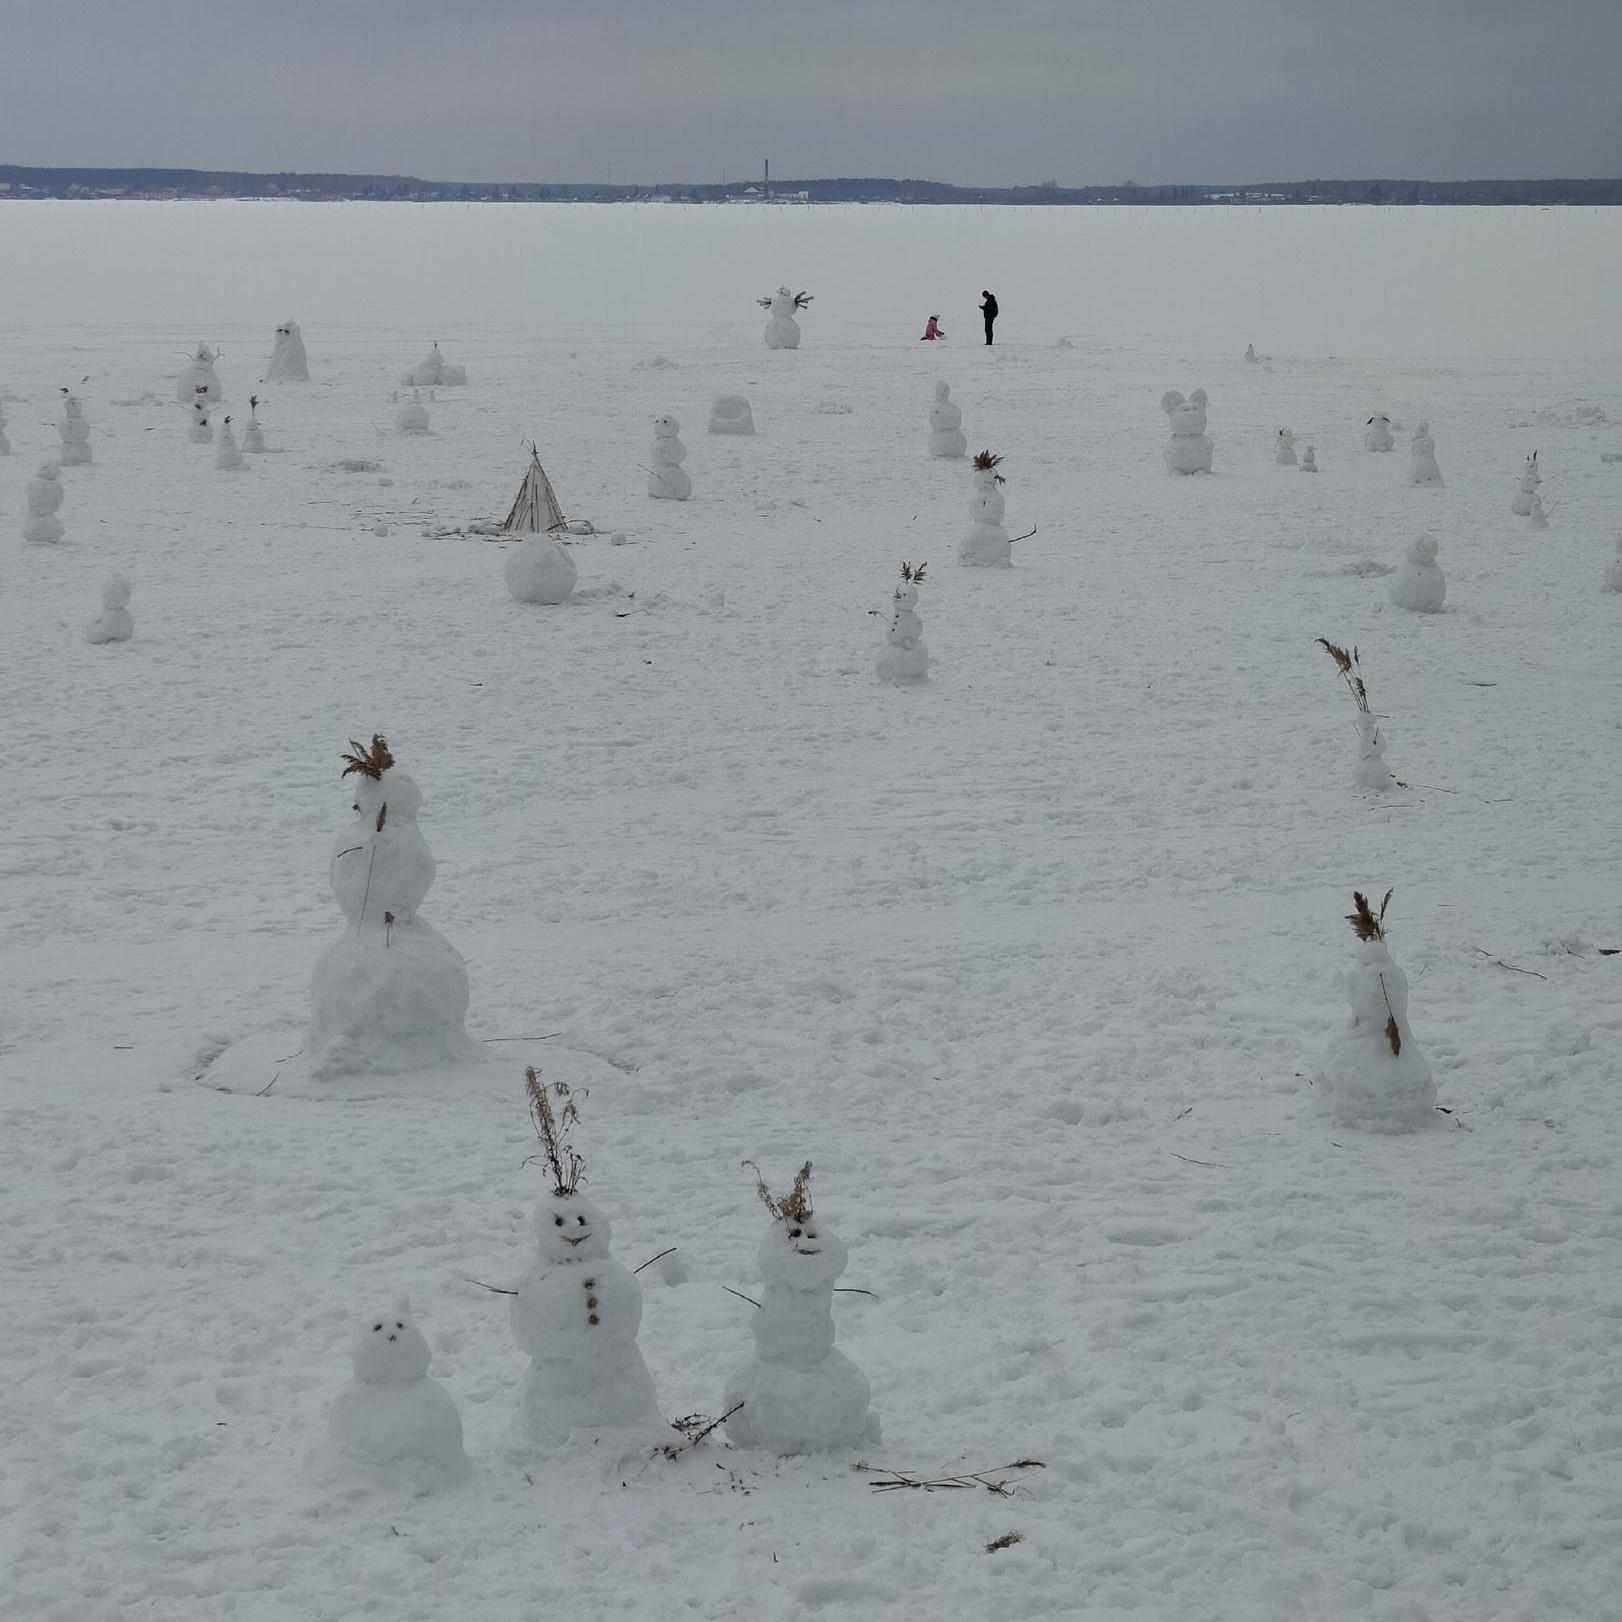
x,y
1033,961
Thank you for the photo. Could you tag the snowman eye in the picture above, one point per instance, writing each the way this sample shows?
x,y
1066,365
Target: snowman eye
x,y
581,1220
398,1324
557,1222
376,1328
794,1233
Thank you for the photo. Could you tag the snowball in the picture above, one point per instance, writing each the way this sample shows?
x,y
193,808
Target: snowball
x,y
540,571
731,414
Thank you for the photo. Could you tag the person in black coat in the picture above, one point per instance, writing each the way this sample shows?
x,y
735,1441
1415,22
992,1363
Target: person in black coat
x,y
988,308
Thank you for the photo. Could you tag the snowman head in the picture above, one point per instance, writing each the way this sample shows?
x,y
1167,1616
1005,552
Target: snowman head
x,y
1381,419
205,355
1531,477
797,1249
1285,437
943,392
912,577
378,784
1422,430
1424,549
115,593
51,471
388,1348
1187,416
665,427
570,1228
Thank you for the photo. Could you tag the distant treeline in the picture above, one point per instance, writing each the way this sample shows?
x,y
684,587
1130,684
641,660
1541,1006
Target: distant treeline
x,y
18,182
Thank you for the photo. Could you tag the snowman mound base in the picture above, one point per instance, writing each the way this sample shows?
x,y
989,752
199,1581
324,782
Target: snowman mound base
x,y
790,1410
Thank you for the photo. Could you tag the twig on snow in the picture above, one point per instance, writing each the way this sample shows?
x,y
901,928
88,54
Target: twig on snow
x,y
494,1289
897,1480
740,1295
669,1250
1220,1164
1510,966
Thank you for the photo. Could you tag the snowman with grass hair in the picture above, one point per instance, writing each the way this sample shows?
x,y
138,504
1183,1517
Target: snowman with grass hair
x,y
783,331
904,659
577,1310
987,545
797,1394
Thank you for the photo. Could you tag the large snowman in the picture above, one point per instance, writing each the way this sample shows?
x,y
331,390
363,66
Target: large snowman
x,y
1373,1073
986,546
74,432
288,363
667,480
946,436
797,1394
1189,449
199,382
783,331
904,659
391,993
577,1310
42,526
393,1416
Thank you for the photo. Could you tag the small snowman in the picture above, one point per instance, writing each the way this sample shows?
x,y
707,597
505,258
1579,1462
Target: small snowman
x,y
1284,448
1189,450
412,417
199,381
253,436
783,331
393,1415
1422,468
577,1310
5,444
1377,433
904,658
1536,517
1371,771
666,480
1526,491
201,431
797,1394
1419,583
74,432
390,994
113,623
1309,460
287,359
946,436
42,526
540,571
731,414
1251,355
434,372
1613,569
986,546
1374,1077
228,456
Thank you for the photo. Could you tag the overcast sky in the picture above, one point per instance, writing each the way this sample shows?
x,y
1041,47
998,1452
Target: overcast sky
x,y
994,93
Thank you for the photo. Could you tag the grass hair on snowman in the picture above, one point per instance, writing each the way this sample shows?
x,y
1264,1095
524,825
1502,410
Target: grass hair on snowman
x,y
552,1127
1371,771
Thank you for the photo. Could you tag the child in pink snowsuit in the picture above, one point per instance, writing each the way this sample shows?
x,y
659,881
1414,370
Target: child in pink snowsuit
x,y
932,331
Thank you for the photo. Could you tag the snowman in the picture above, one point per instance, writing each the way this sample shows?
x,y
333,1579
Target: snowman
x,y
1373,1075
1284,448
5,444
201,431
1419,583
986,546
390,994
1371,771
74,431
783,331
393,1416
1526,491
253,437
666,480
412,417
904,658
199,381
1309,460
797,1394
1251,355
287,360
1189,450
434,372
228,458
1422,468
42,526
113,623
577,1310
731,414
1613,569
1377,433
540,571
946,436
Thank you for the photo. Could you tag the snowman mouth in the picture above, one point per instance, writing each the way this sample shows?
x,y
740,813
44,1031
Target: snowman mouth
x,y
580,1241
800,1250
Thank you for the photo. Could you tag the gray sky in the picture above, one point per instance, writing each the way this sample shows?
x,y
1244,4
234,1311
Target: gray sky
x,y
995,93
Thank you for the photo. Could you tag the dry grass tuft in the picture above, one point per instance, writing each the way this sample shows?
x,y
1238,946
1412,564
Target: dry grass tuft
x,y
552,1128
1367,924
914,575
1006,1541
795,1206
366,762
1351,672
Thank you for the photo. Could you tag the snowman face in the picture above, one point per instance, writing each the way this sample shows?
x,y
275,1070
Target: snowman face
x,y
942,390
569,1228
389,1348
666,427
906,596
394,789
803,1255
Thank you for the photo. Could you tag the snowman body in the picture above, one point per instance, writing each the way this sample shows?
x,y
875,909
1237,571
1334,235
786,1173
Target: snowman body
x,y
228,454
1377,433
666,480
1526,491
904,659
391,993
577,1314
74,432
1613,570
798,1393
1189,449
946,436
986,546
540,571
199,382
113,623
1536,517
42,526
412,417
288,363
732,414
1419,583
393,1415
201,431
782,330
1284,449
1422,468
1366,1084
253,437
1371,771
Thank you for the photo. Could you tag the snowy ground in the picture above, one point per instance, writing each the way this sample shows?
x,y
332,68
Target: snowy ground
x,y
1032,962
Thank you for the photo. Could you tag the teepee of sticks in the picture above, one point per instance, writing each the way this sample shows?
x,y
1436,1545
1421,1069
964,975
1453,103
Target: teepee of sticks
x,y
535,509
